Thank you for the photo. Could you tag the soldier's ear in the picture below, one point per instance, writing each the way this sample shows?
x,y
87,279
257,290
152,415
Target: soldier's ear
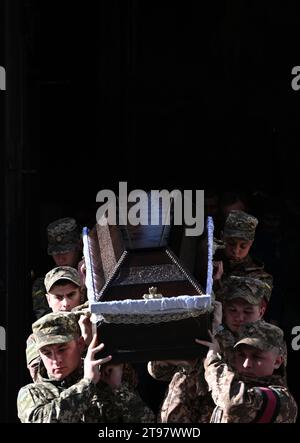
x,y
262,308
81,344
48,299
278,362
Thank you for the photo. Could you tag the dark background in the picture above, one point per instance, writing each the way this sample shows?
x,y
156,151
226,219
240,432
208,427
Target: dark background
x,y
153,93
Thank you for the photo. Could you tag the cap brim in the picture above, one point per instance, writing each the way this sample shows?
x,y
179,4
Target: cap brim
x,y
239,234
53,340
61,249
254,342
248,298
63,278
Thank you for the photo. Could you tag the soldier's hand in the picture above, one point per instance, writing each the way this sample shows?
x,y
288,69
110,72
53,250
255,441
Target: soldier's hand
x,y
213,345
86,329
91,366
217,316
218,269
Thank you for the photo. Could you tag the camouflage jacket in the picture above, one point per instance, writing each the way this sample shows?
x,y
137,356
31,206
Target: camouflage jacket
x,y
241,399
78,400
39,300
187,399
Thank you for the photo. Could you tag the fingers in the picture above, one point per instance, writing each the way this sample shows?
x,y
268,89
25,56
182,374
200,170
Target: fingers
x,y
211,334
95,350
94,341
102,361
203,342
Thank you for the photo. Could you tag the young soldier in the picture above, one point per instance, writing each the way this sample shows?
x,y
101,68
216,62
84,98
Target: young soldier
x,y
244,301
187,399
63,293
66,392
64,245
235,259
252,392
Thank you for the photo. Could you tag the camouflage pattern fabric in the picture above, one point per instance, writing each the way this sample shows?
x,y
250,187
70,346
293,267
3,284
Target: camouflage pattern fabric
x,y
261,335
161,370
55,328
250,289
134,410
39,300
239,224
249,267
227,340
240,399
32,357
187,399
63,236
61,273
78,400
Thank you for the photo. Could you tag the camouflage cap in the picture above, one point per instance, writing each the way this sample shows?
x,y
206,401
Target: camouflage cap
x,y
31,351
239,224
250,289
61,273
63,236
55,328
262,335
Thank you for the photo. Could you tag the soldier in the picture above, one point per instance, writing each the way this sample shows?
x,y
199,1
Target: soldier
x,y
252,392
187,399
63,293
63,288
238,236
244,301
64,245
66,392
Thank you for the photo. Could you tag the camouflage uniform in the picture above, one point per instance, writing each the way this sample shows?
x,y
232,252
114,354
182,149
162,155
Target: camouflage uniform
x,y
63,236
241,225
39,301
241,399
74,399
58,273
253,291
187,399
32,357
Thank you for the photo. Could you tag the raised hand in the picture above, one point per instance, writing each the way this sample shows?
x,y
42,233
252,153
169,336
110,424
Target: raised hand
x,y
92,366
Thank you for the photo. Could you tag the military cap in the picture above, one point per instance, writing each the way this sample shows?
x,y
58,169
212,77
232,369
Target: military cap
x,y
262,335
63,235
31,351
250,289
55,328
239,224
61,273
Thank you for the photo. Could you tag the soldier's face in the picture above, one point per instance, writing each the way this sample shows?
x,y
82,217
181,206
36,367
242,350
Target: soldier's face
x,y
64,297
252,362
239,312
69,258
237,249
60,360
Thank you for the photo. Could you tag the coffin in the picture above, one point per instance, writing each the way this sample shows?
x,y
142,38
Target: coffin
x,y
145,304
